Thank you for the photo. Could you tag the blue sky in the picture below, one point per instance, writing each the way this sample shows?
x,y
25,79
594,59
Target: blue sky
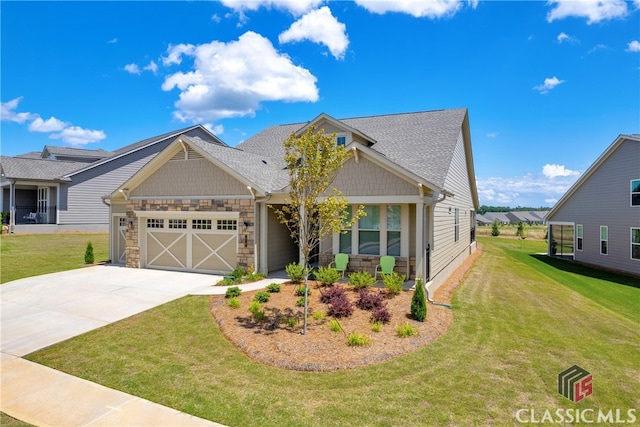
x,y
549,85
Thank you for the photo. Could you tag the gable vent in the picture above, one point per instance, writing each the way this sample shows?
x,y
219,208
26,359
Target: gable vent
x,y
191,155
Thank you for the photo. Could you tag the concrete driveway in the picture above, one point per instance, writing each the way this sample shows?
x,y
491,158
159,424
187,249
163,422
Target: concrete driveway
x,y
37,312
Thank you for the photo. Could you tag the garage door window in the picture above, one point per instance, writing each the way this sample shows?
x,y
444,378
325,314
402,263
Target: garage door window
x,y
227,224
177,223
201,224
155,223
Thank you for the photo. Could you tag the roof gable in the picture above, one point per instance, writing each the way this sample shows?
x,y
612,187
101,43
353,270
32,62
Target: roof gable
x,y
590,171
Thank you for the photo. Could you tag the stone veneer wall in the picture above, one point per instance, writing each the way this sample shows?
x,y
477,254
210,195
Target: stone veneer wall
x,y
243,206
369,262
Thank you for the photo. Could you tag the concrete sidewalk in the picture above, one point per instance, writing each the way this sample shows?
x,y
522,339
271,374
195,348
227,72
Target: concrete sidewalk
x,y
40,311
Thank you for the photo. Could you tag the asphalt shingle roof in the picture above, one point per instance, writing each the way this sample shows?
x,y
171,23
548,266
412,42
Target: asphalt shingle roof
x,y
422,142
261,170
37,169
75,152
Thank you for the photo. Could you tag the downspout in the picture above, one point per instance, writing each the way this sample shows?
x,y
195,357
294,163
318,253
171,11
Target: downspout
x,y
445,194
12,205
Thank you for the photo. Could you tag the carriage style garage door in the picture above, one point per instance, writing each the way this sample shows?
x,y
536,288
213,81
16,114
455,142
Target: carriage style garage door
x,y
201,244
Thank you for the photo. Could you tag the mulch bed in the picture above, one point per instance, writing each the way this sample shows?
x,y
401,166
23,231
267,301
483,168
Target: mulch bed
x,y
274,342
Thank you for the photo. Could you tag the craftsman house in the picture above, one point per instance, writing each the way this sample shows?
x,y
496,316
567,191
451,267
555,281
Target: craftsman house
x,y
597,221
205,207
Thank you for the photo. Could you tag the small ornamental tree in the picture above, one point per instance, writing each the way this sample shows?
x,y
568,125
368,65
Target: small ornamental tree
x,y
88,254
313,210
419,302
520,231
495,228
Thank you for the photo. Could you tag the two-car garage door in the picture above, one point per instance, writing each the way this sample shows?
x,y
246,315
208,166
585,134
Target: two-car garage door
x,y
202,244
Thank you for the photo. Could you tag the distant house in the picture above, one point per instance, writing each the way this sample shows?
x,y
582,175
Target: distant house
x,y
482,220
206,207
517,217
61,188
541,215
502,217
598,220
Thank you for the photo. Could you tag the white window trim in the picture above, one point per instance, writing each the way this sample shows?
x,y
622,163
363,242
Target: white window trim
x,y
631,243
631,193
404,233
580,237
603,240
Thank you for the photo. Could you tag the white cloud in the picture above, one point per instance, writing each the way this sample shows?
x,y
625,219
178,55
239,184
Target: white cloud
x,y
152,66
549,83
549,185
233,79
552,171
214,129
597,47
50,125
492,135
295,7
112,41
175,54
72,135
132,68
416,8
564,37
77,136
551,201
633,46
319,26
215,18
8,114
594,10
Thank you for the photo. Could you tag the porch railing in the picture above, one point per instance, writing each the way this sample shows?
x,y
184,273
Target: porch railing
x,y
31,215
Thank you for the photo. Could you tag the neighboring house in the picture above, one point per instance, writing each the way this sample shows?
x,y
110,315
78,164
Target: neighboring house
x,y
482,220
61,188
598,220
541,215
517,217
207,208
502,217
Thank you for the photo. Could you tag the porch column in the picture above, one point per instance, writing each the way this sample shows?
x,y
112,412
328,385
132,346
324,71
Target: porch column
x,y
261,254
420,242
12,205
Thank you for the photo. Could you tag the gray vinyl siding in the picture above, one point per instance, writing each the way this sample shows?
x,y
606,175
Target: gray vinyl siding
x,y
604,199
446,251
365,178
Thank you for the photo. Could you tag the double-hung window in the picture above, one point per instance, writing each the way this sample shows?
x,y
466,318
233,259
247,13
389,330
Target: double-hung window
x,y
604,239
635,243
369,231
393,229
635,192
346,235
579,232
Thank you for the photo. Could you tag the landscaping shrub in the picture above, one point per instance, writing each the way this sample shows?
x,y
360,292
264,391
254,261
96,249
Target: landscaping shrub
x,y
291,321
299,291
295,272
361,279
233,291
380,315
359,340
393,282
273,287
331,292
262,297
495,228
376,326
406,330
234,302
419,302
327,276
237,274
369,300
259,315
253,275
254,307
227,281
300,302
89,258
334,326
319,315
340,306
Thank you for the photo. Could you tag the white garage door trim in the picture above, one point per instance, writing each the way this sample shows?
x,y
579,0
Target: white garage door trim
x,y
205,242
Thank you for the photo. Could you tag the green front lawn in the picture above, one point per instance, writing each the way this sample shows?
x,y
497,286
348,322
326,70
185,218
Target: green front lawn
x,y
519,320
26,255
